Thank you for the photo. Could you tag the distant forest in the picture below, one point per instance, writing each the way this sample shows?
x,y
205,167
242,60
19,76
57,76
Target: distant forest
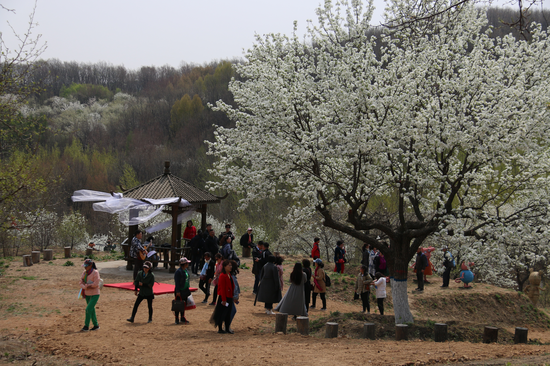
x,y
110,127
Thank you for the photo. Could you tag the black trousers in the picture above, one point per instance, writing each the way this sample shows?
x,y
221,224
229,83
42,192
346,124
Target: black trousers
x,y
323,299
205,287
380,302
420,279
138,266
447,276
139,299
225,312
365,299
307,290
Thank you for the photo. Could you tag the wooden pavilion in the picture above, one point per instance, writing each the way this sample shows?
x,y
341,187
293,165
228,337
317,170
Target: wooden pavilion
x,y
167,185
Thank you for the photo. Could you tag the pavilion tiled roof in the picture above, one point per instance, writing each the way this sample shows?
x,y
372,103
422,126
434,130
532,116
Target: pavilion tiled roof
x,y
168,185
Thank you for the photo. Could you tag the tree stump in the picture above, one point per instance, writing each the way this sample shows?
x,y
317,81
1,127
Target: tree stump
x,y
401,332
302,324
48,254
332,330
35,254
89,252
27,260
246,252
490,334
281,319
521,335
67,252
369,331
440,332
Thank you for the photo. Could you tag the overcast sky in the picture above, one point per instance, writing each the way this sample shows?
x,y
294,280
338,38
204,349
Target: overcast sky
x,y
138,33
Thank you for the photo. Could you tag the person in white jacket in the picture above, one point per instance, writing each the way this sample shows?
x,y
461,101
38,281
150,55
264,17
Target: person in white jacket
x,y
380,286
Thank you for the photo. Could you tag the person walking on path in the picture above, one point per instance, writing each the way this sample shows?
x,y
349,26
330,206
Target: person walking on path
x,y
226,288
143,289
237,291
206,276
365,255
362,287
315,251
306,265
420,264
448,263
181,288
218,269
89,285
380,286
269,291
320,286
294,301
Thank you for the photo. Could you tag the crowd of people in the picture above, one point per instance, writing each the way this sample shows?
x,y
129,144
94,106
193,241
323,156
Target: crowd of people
x,y
215,258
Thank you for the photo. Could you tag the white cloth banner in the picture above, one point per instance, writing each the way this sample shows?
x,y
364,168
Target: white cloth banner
x,y
166,224
130,211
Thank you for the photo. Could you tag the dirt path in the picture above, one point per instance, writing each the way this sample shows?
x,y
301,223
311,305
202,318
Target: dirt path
x,y
39,304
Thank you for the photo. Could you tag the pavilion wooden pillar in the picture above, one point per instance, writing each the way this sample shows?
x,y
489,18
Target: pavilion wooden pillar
x,y
202,210
174,212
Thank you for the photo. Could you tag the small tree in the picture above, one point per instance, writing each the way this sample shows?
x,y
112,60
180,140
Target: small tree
x,y
72,229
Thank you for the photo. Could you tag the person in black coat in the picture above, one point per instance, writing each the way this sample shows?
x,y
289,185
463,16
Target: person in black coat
x,y
196,251
207,275
256,257
211,244
269,291
247,240
420,265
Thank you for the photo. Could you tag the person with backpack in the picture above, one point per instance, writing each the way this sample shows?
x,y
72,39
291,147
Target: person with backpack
x,y
449,264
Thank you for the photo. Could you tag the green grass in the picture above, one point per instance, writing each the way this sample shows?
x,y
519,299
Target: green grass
x,y
29,278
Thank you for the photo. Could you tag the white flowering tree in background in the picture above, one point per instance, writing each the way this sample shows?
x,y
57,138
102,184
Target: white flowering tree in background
x,y
72,229
438,133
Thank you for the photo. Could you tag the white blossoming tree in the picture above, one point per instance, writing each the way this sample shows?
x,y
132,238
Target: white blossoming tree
x,y
438,133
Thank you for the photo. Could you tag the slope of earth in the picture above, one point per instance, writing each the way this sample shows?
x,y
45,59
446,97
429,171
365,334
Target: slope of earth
x,y
40,319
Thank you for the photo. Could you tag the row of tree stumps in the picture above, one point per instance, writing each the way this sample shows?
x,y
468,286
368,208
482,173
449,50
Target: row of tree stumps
x,y
34,257
490,334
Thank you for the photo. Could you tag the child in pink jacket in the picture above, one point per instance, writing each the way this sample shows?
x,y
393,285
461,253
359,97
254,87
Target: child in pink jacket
x,y
89,283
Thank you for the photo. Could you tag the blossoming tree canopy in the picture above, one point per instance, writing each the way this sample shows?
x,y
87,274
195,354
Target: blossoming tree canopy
x,y
439,132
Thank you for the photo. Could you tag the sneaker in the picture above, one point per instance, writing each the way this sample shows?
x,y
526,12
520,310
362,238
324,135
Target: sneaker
x,y
150,321
444,286
184,321
95,327
204,301
84,329
312,307
230,331
177,322
212,303
131,320
221,331
323,309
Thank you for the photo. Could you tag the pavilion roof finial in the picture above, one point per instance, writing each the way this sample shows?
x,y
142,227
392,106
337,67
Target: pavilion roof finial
x,y
166,167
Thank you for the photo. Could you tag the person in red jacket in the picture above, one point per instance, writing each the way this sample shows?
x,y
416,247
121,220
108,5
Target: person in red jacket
x,y
315,252
190,231
226,287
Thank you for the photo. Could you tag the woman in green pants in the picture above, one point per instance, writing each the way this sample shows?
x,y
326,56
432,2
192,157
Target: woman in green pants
x,y
89,283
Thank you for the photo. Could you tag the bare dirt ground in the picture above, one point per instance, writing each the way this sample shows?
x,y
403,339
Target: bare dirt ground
x,y
41,318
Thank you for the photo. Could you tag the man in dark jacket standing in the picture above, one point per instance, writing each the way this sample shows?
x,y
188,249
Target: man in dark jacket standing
x,y
420,265
211,243
247,240
196,251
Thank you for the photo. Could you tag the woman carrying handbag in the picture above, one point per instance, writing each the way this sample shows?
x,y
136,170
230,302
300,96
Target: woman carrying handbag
x,y
181,291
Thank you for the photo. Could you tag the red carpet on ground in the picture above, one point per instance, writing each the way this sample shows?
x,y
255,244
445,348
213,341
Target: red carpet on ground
x,y
158,288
